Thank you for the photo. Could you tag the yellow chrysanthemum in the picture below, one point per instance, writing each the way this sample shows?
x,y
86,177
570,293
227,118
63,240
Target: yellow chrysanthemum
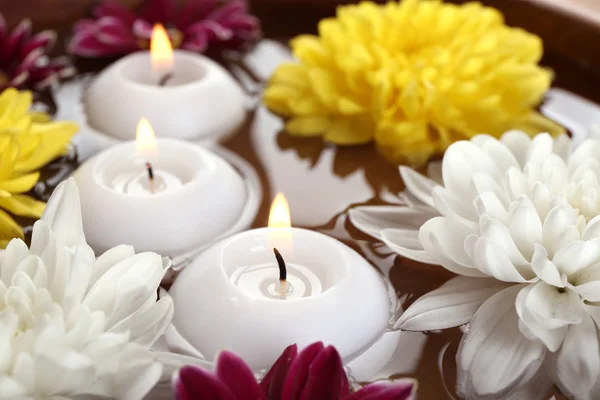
x,y
28,141
415,76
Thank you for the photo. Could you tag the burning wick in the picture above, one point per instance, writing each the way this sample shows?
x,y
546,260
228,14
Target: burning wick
x,y
165,78
150,176
282,272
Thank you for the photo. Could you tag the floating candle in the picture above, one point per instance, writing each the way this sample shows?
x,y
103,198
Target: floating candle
x,y
192,196
230,298
183,94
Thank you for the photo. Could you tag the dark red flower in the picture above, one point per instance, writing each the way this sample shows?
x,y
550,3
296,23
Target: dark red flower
x,y
199,25
25,61
314,373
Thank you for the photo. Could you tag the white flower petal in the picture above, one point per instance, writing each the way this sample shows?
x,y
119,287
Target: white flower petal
x,y
562,147
494,356
498,234
12,389
518,143
15,252
559,229
525,226
542,198
148,323
44,245
450,205
577,363
589,149
544,268
554,307
418,185
109,259
461,161
501,155
491,260
406,243
587,282
535,387
577,255
532,329
488,203
8,327
141,374
23,370
63,214
83,260
453,304
373,219
540,148
515,184
134,280
443,240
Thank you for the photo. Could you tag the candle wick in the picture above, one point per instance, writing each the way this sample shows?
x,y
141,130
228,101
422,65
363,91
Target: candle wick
x,y
282,267
282,273
150,176
163,80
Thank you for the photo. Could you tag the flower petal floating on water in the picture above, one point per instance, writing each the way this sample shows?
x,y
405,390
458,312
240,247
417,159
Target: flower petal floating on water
x,y
314,373
72,325
199,26
519,218
28,141
414,76
25,59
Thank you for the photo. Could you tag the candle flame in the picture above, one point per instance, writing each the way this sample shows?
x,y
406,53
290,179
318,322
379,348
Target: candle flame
x,y
280,234
161,50
145,142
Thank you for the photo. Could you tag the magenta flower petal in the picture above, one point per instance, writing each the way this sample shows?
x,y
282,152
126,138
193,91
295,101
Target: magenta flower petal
x,y
243,23
116,10
159,11
228,9
29,63
273,381
43,40
238,377
112,31
213,30
11,45
195,10
19,79
142,29
87,45
326,377
194,383
3,27
399,390
85,25
298,373
197,43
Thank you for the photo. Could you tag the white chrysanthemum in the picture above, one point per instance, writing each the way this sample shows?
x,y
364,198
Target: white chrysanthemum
x,y
519,220
71,325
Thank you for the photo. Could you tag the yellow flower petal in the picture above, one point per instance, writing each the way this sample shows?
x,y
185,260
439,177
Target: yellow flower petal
x,y
23,206
9,152
307,126
9,228
349,131
54,139
20,184
426,73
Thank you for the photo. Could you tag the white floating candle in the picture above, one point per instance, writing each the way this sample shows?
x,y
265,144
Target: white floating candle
x,y
229,297
189,199
183,94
